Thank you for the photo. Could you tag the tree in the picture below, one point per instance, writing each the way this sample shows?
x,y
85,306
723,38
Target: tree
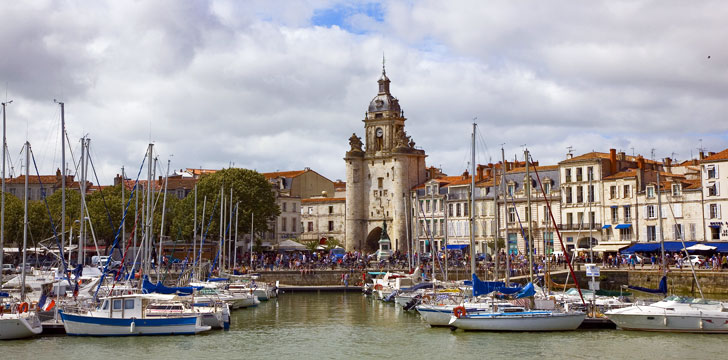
x,y
251,191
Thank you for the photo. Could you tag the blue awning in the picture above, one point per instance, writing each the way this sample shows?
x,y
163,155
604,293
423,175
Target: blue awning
x,y
714,226
720,246
614,206
606,226
623,226
643,247
456,247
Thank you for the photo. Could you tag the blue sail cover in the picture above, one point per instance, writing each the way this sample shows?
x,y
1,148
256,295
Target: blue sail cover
x,y
487,287
148,287
662,289
4,294
424,285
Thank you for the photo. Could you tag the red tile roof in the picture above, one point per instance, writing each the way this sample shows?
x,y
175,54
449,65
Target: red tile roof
x,y
629,173
723,155
285,174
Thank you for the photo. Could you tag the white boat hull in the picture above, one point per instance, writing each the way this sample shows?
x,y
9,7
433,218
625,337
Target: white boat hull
x,y
526,321
17,326
83,325
673,314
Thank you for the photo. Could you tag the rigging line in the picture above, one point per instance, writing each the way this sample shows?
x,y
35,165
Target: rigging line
x,y
73,158
118,231
103,199
53,226
484,143
204,235
429,233
558,233
680,236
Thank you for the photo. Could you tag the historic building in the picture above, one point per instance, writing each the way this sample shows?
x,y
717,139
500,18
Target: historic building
x,y
714,169
380,173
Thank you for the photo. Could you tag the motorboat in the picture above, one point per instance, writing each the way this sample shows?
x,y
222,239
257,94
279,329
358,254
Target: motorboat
x,y
673,314
18,322
127,315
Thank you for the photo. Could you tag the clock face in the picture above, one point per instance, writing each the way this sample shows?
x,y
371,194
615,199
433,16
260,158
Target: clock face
x,y
380,132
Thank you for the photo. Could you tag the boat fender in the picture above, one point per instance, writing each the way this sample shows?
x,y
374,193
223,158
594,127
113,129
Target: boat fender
x,y
378,287
23,307
701,324
132,327
664,320
459,311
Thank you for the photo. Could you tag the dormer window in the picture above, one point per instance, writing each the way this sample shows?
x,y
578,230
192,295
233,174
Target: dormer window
x,y
676,190
650,191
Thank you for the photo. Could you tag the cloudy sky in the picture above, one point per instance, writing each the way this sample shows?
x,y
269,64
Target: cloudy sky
x,y
281,85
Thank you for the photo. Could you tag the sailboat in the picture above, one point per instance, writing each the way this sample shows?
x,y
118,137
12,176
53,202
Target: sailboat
x,y
514,318
21,322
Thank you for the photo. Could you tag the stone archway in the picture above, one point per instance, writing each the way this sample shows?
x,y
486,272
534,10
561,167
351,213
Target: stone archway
x,y
372,242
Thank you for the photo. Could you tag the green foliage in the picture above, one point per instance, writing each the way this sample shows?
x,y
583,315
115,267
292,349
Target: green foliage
x,y
501,245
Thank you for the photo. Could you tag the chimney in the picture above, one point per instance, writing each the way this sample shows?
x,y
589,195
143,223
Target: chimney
x,y
480,172
466,174
612,161
488,172
668,164
622,156
640,162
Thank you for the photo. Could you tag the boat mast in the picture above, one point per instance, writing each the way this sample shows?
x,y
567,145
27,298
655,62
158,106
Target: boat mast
x,y
230,233
505,217
496,222
198,259
25,220
252,218
221,248
407,240
149,211
659,214
123,218
2,199
161,230
235,247
472,209
528,217
82,188
194,231
589,194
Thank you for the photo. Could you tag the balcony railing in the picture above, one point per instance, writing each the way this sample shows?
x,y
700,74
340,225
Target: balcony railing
x,y
595,226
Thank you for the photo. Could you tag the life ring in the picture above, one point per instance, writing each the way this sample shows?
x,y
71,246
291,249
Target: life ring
x,y
459,311
426,298
378,287
23,307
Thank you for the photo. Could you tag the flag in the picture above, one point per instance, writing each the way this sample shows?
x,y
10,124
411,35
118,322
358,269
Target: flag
x,y
49,305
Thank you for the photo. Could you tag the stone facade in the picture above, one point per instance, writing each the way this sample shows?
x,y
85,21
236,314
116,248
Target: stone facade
x,y
380,171
714,170
322,218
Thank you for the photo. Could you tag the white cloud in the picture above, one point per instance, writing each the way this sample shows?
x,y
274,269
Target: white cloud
x,y
255,83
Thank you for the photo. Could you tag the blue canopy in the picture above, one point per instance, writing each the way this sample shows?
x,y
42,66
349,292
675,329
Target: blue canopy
x,y
606,226
217,279
424,285
148,287
456,247
4,294
487,287
527,291
623,226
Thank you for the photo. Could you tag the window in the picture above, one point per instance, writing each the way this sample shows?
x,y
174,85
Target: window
x,y
692,231
293,225
713,189
380,182
310,226
427,205
615,215
117,304
578,174
284,224
676,190
283,208
580,218
442,204
592,219
511,215
546,217
678,230
331,209
625,234
591,193
714,233
712,172
567,173
331,225
567,193
457,209
626,193
466,209
449,209
612,191
590,173
650,191
310,210
106,305
547,187
579,194
293,207
650,212
569,219
511,190
651,233
627,213
129,304
442,226
714,211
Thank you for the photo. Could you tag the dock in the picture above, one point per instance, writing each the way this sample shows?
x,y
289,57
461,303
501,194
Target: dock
x,y
315,288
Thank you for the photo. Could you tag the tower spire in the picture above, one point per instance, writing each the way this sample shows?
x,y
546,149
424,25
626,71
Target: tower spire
x,y
384,71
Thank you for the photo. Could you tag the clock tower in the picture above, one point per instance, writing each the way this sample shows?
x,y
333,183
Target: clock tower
x,y
379,175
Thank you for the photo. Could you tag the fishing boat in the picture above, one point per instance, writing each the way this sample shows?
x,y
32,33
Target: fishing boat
x,y
127,315
674,314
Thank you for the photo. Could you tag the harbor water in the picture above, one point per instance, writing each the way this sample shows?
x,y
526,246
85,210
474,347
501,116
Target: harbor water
x,y
336,325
